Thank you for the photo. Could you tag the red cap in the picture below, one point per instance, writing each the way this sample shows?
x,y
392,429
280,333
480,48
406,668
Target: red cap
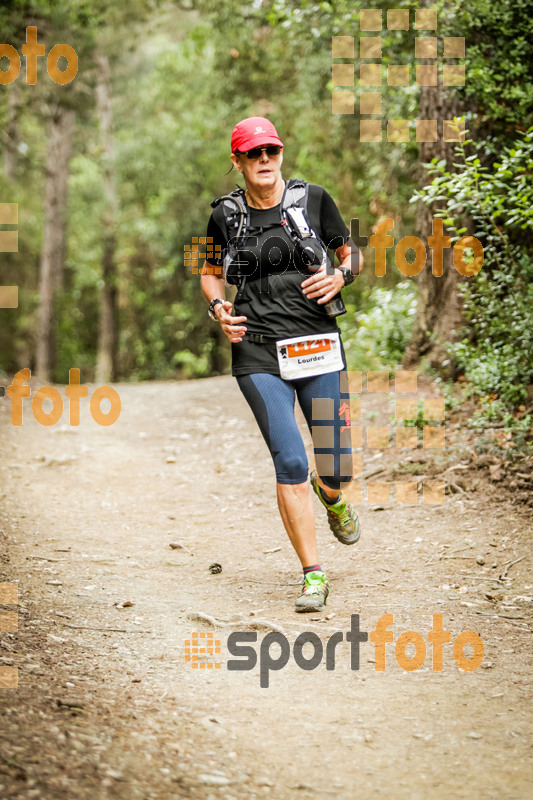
x,y
253,132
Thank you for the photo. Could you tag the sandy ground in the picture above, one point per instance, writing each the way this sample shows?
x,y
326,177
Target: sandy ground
x,y
108,707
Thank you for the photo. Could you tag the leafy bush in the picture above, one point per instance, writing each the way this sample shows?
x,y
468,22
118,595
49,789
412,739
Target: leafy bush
x,y
496,351
381,333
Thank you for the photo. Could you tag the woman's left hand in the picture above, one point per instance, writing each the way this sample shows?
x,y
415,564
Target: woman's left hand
x,y
322,285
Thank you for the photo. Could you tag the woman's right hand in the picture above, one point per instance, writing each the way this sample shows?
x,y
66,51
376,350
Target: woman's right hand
x,y
230,325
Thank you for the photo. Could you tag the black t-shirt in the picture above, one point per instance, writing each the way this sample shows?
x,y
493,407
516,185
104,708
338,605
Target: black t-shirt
x,y
271,297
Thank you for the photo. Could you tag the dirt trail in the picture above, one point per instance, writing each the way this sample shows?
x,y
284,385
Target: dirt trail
x,y
107,707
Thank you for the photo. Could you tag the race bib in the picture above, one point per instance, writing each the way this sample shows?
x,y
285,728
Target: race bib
x,y
305,356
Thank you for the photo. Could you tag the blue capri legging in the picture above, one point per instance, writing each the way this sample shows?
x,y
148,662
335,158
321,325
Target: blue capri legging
x,y
271,399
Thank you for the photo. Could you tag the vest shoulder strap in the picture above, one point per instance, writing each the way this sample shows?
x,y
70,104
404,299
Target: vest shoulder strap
x,y
237,213
295,194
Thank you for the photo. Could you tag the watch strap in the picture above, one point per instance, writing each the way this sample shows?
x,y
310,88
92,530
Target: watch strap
x,y
211,310
349,277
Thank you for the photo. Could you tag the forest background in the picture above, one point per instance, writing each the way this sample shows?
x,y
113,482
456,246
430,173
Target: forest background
x,y
114,173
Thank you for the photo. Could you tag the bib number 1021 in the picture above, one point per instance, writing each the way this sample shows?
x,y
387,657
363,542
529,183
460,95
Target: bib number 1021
x,y
315,345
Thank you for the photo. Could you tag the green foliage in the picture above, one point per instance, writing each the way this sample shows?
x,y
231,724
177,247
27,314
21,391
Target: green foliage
x,y
376,337
172,118
420,420
180,81
499,52
496,351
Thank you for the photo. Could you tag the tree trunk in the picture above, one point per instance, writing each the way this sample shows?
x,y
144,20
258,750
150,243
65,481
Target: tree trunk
x,y
439,313
10,136
54,234
106,362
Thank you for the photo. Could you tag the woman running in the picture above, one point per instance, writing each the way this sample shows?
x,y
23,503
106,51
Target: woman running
x,y
285,341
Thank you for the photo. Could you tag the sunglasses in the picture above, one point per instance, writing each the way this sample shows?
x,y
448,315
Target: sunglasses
x,y
256,152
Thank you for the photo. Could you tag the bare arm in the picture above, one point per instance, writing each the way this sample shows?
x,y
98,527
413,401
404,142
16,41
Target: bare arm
x,y
213,286
347,255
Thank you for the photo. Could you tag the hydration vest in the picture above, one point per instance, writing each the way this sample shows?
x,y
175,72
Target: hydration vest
x,y
293,219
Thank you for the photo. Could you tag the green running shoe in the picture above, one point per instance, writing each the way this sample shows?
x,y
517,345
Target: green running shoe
x,y
315,589
342,516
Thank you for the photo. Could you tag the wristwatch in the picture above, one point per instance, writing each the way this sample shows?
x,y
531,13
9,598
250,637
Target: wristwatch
x,y
349,277
211,309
